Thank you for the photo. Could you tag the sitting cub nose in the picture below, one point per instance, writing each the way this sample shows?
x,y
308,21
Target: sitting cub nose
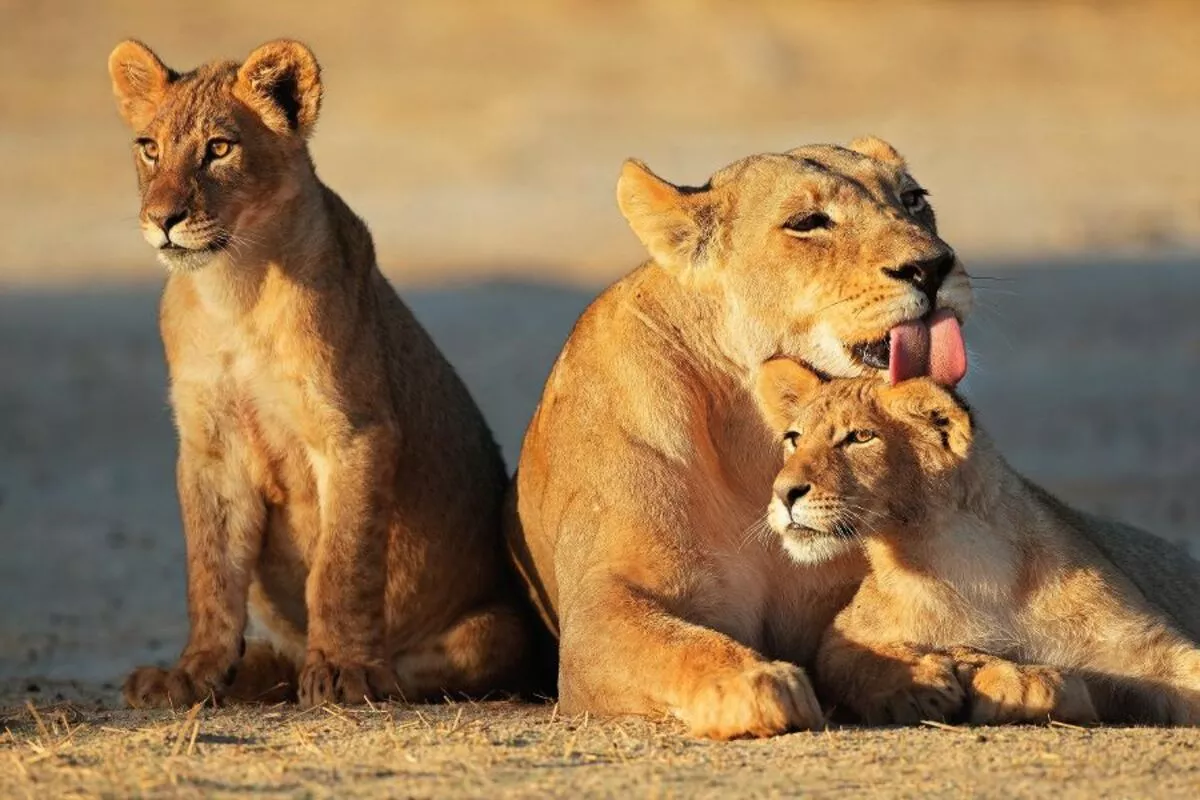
x,y
790,493
166,219
927,274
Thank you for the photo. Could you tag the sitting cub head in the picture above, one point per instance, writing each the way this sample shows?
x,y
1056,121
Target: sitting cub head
x,y
861,455
824,253
216,149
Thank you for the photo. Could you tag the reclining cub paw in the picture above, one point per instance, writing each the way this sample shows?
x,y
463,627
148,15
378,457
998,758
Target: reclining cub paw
x,y
196,677
324,681
1002,692
764,700
925,689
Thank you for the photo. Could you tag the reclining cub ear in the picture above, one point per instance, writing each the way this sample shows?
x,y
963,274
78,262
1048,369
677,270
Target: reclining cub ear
x,y
879,150
281,81
924,403
139,80
781,389
666,218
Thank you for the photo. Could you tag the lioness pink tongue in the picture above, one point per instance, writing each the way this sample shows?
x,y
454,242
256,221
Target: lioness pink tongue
x,y
935,349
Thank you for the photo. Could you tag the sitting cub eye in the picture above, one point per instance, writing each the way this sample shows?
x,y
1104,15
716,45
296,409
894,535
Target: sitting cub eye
x,y
789,440
914,200
219,148
808,221
861,436
149,149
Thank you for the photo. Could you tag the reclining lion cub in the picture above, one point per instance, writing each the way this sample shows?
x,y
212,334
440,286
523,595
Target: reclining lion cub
x,y
641,477
970,565
334,475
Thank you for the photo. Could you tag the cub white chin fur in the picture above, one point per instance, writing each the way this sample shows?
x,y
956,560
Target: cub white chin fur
x,y
805,546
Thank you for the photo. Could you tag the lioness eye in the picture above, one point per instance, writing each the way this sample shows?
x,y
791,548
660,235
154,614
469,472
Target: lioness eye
x,y
149,149
790,438
808,221
861,436
219,148
914,200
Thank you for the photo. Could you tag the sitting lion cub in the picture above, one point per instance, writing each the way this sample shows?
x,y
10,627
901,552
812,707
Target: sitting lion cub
x,y
338,484
975,573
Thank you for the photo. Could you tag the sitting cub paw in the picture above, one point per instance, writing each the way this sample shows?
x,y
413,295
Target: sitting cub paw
x,y
908,692
325,681
196,677
764,700
1001,692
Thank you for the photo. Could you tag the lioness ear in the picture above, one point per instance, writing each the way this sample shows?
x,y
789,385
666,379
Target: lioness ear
x,y
922,402
879,150
781,388
139,80
669,221
281,81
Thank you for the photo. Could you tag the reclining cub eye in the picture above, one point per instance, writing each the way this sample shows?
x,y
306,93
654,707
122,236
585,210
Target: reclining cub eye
x,y
914,200
219,148
789,440
808,221
861,436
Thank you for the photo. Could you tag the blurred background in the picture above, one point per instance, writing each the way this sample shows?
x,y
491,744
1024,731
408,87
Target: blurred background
x,y
481,142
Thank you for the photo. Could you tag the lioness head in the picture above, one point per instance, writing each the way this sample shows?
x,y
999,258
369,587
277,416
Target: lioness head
x,y
826,253
217,148
861,454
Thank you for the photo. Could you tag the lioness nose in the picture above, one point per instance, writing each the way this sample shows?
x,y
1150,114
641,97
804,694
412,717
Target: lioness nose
x,y
167,219
790,493
927,274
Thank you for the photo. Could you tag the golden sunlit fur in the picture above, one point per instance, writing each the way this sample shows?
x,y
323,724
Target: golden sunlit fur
x,y
336,480
638,518
986,598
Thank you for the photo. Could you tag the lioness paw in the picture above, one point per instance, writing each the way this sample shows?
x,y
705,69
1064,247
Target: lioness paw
x,y
1001,692
765,700
196,677
325,681
910,692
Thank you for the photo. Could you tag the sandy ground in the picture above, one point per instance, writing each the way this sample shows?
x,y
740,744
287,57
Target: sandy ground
x,y
1086,373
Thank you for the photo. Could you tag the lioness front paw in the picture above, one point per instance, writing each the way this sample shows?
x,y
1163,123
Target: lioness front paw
x,y
325,681
197,676
1001,692
909,692
765,700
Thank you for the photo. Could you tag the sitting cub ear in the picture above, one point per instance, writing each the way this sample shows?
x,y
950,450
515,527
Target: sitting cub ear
x,y
139,80
879,150
781,389
925,404
673,223
281,81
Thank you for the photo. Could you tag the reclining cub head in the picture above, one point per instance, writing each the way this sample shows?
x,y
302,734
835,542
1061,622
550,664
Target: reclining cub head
x,y
217,149
861,455
825,253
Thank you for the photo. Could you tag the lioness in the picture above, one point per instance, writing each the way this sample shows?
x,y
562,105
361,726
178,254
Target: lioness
x,y
971,564
641,479
334,474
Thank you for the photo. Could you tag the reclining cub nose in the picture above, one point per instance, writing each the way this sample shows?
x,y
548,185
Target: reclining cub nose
x,y
790,493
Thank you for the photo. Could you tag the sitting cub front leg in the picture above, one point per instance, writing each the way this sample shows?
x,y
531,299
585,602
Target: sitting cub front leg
x,y
347,659
223,521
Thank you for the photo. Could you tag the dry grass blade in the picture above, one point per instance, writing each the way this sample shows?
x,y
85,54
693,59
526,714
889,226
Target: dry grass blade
x,y
941,726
